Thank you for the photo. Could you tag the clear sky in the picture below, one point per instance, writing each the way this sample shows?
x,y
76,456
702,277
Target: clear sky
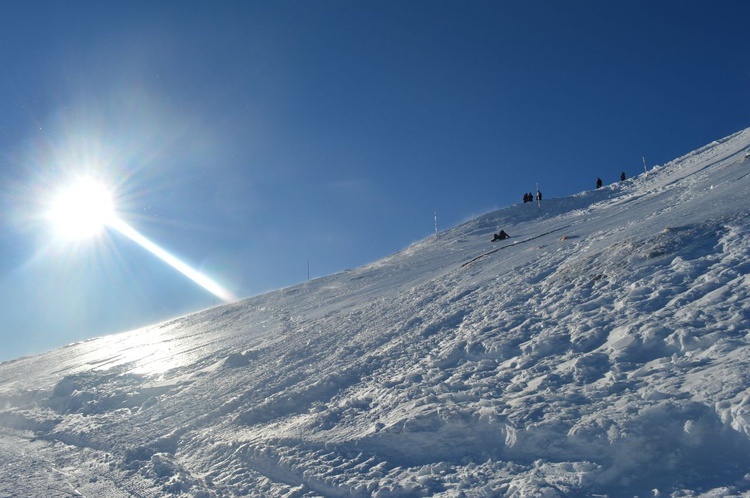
x,y
254,139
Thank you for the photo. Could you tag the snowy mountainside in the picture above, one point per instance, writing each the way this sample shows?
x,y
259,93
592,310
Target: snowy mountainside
x,y
601,351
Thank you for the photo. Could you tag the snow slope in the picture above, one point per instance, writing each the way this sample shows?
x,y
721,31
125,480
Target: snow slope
x,y
601,351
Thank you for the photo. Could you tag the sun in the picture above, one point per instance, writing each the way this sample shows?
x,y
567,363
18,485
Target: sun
x,y
81,209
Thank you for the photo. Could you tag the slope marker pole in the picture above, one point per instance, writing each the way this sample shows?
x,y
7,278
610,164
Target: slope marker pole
x,y
538,200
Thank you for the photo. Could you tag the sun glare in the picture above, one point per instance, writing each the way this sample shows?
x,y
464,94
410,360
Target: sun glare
x,y
82,209
85,208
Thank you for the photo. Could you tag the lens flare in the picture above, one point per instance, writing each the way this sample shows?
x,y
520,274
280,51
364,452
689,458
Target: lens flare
x,y
85,207
194,275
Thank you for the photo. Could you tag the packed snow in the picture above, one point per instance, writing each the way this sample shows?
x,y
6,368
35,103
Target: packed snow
x,y
602,350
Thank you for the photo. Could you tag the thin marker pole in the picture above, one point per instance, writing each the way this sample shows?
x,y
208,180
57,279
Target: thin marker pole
x,y
538,200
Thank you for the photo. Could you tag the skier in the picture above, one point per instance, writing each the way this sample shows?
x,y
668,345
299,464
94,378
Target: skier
x,y
622,176
598,182
539,195
525,198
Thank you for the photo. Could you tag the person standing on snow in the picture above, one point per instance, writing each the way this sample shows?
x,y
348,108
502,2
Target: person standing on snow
x,y
598,182
622,176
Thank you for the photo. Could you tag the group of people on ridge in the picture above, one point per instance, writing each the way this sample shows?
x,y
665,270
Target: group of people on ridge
x,y
530,197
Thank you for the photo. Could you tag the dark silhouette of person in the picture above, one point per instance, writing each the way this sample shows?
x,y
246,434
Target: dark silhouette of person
x,y
622,176
598,182
525,198
500,236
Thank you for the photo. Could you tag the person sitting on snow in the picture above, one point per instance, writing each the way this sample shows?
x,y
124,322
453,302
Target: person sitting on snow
x,y
500,236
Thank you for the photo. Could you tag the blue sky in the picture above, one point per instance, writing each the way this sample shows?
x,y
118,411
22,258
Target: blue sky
x,y
249,138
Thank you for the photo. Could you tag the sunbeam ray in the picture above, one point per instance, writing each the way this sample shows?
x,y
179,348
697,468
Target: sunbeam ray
x,y
194,275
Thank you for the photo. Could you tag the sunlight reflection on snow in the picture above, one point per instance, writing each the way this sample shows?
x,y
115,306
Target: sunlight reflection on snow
x,y
144,352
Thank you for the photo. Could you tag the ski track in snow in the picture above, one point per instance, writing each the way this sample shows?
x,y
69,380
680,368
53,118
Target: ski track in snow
x,y
601,351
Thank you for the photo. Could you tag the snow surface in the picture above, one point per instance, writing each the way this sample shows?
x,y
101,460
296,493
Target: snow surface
x,y
603,350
